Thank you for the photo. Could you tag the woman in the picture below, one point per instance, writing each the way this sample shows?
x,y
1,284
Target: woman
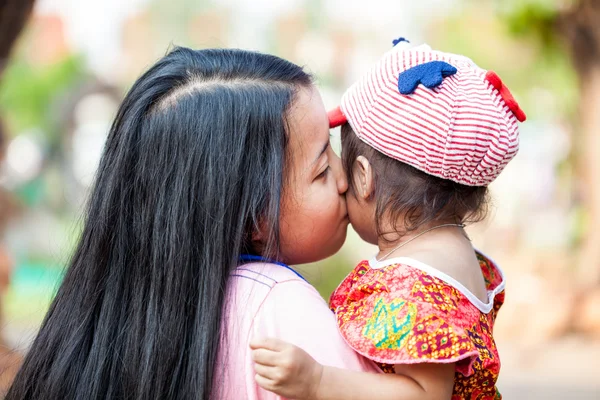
x,y
215,157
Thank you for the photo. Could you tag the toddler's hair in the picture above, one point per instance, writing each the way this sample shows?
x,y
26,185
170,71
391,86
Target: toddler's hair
x,y
402,190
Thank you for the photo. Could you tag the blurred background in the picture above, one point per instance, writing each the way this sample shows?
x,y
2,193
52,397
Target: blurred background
x,y
74,60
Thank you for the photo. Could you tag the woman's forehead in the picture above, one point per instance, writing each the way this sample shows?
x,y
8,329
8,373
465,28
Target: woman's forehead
x,y
309,126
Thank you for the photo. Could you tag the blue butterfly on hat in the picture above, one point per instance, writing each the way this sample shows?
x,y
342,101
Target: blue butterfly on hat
x,y
430,74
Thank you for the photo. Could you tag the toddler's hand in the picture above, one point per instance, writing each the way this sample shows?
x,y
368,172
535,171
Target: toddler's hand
x,y
285,369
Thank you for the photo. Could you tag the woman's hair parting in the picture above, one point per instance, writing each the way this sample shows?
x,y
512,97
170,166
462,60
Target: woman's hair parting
x,y
405,194
192,164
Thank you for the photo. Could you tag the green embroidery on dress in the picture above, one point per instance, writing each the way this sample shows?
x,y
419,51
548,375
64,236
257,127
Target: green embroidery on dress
x,y
390,323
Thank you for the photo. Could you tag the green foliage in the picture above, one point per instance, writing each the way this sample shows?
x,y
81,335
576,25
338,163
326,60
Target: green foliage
x,y
27,92
533,18
523,30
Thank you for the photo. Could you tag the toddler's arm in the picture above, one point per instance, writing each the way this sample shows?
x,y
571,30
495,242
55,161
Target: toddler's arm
x,y
290,372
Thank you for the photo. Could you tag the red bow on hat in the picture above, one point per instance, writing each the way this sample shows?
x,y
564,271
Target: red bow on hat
x,y
510,101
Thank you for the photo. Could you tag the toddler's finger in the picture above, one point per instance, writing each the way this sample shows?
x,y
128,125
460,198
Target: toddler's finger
x,y
265,371
268,343
257,343
264,383
265,357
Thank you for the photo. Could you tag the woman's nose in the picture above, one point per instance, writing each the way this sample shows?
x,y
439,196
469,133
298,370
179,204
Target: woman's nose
x,y
340,175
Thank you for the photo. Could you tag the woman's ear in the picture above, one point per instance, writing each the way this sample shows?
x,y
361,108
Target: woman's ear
x,y
258,238
362,176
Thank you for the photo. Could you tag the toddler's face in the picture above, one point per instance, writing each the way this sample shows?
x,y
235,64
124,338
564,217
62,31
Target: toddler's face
x,y
361,209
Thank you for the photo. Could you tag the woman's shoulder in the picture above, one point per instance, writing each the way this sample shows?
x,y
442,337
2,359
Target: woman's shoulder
x,y
266,274
295,312
251,284
270,282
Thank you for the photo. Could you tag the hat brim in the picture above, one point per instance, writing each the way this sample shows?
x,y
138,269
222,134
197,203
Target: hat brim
x,y
336,118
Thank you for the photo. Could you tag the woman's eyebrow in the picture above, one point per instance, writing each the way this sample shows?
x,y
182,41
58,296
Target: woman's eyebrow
x,y
323,150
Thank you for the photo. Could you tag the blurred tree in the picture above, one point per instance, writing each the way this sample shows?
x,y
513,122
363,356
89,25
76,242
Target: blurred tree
x,y
573,26
29,94
13,16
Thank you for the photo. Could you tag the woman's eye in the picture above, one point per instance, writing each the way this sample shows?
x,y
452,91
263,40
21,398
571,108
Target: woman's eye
x,y
323,174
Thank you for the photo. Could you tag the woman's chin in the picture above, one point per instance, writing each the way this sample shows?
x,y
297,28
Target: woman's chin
x,y
337,244
309,255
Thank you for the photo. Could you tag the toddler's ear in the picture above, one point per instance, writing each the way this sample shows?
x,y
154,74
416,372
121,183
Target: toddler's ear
x,y
362,178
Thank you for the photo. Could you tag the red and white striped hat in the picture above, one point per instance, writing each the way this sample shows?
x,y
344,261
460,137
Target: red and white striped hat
x,y
436,111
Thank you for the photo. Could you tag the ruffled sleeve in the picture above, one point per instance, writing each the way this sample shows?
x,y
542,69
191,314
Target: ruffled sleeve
x,y
402,315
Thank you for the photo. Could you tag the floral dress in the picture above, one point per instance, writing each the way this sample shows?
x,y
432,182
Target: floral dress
x,y
401,311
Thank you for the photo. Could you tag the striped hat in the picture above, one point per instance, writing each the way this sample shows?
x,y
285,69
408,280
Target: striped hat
x,y
437,112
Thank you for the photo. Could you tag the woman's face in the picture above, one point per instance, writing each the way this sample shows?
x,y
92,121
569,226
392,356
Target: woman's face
x,y
313,219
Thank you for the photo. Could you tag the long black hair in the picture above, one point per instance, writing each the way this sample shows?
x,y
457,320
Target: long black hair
x,y
192,166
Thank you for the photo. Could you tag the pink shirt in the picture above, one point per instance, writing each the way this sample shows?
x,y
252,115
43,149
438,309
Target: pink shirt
x,y
268,300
